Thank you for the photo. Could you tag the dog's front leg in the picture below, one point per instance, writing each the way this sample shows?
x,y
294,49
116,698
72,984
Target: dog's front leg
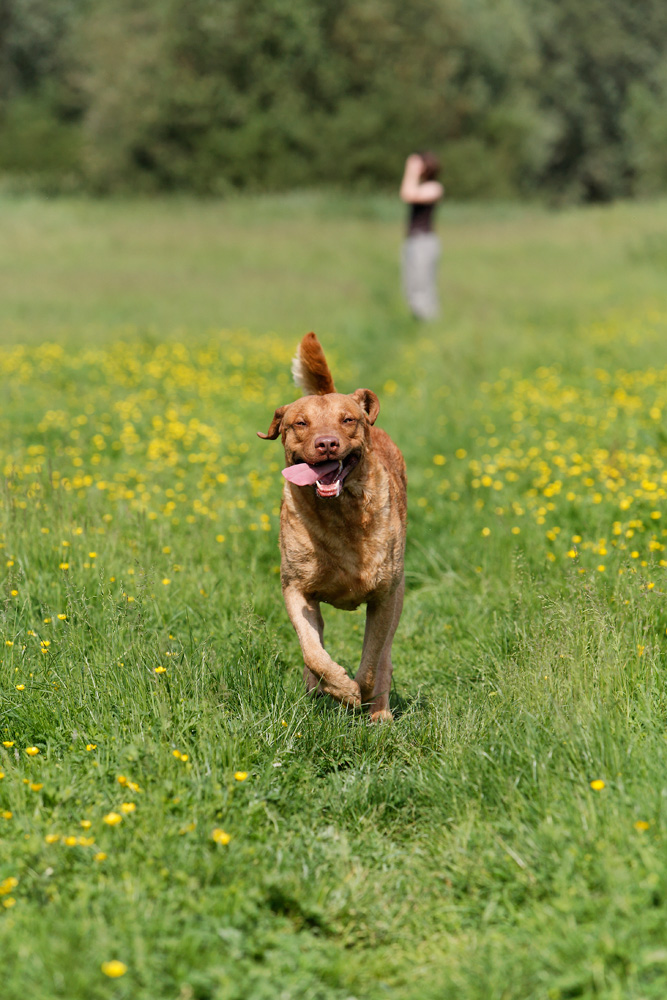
x,y
375,670
307,621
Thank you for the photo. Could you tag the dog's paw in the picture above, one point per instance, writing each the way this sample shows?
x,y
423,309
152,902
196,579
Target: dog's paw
x,y
346,692
383,715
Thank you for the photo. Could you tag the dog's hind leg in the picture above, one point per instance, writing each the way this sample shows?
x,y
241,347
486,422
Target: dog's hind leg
x,y
374,674
332,679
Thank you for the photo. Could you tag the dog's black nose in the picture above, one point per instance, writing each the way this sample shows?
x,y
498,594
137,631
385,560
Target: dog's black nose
x,y
327,446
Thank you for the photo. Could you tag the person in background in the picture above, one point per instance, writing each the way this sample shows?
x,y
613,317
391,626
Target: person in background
x,y
421,250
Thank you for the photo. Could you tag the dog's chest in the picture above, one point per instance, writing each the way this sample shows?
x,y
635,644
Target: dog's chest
x,y
344,563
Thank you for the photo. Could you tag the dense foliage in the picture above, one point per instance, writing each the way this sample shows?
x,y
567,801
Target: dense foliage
x,y
519,96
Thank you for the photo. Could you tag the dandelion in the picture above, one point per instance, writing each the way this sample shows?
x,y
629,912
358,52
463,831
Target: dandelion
x,y
70,841
114,968
112,819
36,786
32,751
86,824
597,785
641,825
220,836
127,808
241,775
63,565
166,581
6,814
8,884
486,532
121,779
9,902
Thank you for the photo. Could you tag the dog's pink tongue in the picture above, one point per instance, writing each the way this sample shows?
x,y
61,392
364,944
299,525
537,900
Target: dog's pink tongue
x,y
306,475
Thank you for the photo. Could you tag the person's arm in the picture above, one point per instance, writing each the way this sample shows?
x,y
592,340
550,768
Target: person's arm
x,y
414,191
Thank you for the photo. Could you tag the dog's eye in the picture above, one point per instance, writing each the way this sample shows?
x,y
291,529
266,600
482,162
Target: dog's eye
x,y
349,420
300,423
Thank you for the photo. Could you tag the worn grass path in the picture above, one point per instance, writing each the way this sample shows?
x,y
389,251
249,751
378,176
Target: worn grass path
x,y
176,819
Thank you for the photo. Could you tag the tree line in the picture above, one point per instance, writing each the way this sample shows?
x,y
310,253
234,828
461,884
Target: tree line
x,y
563,99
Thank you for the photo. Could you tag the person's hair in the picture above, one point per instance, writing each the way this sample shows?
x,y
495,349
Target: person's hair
x,y
431,167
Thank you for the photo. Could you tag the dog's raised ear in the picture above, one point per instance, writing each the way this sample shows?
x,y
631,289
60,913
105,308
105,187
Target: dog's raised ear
x,y
369,402
275,426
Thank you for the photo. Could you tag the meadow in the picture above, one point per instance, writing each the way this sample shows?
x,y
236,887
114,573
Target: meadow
x,y
177,819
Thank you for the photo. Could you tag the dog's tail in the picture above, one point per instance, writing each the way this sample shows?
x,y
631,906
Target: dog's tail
x,y
310,370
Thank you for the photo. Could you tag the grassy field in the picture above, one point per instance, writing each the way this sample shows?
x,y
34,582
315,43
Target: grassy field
x,y
177,821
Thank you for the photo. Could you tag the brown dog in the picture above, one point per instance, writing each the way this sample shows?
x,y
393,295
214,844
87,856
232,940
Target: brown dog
x,y
342,527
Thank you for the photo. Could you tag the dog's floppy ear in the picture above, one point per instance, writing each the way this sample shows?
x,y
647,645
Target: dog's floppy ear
x,y
274,429
369,402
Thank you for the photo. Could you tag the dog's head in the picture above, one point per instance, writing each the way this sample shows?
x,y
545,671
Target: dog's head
x,y
325,437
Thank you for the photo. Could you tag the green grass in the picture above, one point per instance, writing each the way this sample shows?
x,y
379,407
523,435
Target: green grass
x,y
460,852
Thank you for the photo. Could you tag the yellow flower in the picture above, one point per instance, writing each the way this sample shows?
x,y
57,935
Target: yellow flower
x,y
642,825
597,785
160,670
36,786
7,903
2,774
113,819
166,581
14,593
6,814
52,838
240,775
70,841
486,532
127,807
62,618
640,649
100,856
91,746
114,968
32,751
121,779
86,824
8,884
219,836
8,743
20,687
63,565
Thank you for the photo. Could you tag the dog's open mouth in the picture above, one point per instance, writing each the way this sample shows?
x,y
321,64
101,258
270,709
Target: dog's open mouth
x,y
326,477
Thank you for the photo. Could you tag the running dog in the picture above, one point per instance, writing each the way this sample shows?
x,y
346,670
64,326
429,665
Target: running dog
x,y
342,527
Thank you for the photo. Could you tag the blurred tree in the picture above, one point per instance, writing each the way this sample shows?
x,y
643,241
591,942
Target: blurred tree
x,y
520,97
592,56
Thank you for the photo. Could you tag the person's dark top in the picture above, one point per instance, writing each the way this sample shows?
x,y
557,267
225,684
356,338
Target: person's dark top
x,y
420,219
